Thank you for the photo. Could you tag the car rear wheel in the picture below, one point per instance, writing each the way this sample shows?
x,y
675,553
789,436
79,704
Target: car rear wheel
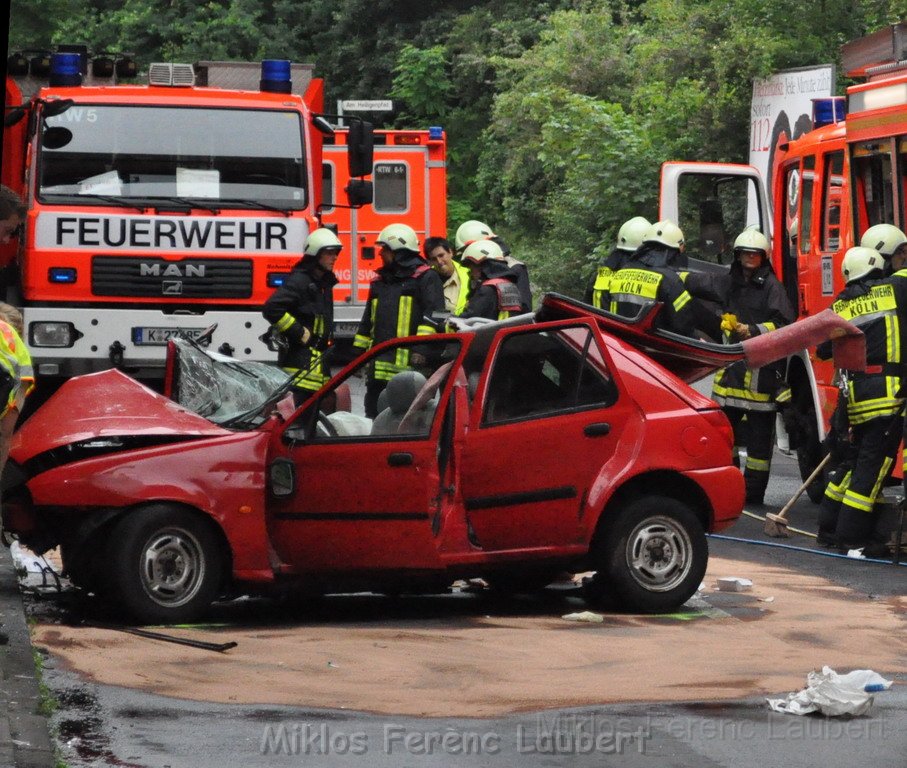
x,y
653,557
167,564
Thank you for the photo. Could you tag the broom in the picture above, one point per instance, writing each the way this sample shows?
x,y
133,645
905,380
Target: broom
x,y
776,524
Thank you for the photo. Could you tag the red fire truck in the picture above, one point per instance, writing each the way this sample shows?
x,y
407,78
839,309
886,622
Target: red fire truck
x,y
828,187
170,207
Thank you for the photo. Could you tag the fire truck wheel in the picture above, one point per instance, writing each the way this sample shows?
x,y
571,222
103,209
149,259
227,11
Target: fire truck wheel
x,y
652,558
167,563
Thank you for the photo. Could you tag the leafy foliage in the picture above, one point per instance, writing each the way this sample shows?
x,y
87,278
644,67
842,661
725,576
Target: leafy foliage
x,y
558,112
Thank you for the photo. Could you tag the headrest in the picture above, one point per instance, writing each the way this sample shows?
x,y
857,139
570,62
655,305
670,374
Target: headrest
x,y
402,390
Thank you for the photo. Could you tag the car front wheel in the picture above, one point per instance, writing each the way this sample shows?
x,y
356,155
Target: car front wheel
x,y
167,564
653,557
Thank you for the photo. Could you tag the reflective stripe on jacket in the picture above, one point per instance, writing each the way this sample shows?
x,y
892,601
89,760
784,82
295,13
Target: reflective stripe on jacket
x,y
17,364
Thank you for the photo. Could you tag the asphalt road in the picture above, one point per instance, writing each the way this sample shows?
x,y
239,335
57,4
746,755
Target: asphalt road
x,y
100,725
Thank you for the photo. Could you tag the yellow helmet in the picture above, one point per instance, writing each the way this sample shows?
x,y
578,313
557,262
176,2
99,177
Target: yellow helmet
x,y
751,239
885,238
481,250
319,239
859,262
470,231
665,232
399,237
631,233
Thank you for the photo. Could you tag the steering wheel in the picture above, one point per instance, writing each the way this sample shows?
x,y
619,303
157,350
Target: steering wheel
x,y
323,422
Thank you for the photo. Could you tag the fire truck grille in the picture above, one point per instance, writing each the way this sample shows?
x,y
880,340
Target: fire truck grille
x,y
157,278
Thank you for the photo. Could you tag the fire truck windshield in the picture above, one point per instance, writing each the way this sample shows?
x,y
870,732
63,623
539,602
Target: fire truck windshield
x,y
100,154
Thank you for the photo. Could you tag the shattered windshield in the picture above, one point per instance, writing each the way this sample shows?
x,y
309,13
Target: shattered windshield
x,y
108,154
218,387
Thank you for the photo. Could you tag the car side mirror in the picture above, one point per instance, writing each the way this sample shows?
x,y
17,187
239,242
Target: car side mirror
x,y
282,475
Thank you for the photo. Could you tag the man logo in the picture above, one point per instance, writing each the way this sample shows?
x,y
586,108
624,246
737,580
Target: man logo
x,y
172,288
171,270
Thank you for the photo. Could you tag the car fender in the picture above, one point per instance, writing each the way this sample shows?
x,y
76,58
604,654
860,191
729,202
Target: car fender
x,y
223,477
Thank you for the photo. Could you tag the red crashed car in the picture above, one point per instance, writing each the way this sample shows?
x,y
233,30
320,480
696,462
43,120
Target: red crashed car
x,y
511,452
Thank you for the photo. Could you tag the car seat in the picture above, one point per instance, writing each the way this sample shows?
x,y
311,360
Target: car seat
x,y
400,392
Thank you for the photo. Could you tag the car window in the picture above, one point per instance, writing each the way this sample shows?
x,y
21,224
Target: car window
x,y
542,373
415,373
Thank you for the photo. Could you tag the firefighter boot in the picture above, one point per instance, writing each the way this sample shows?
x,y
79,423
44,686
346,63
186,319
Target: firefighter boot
x,y
855,527
830,507
756,482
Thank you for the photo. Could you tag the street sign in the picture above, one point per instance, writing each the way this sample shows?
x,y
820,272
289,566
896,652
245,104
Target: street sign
x,y
364,105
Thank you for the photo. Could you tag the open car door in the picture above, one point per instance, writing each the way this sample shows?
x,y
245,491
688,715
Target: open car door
x,y
367,487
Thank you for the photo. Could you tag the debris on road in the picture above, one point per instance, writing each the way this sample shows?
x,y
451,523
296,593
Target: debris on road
x,y
832,694
734,584
202,644
586,616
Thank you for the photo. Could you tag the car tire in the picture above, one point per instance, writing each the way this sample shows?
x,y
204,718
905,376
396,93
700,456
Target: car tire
x,y
167,564
652,558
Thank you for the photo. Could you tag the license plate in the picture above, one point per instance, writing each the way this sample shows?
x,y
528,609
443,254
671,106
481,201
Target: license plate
x,y
345,330
149,336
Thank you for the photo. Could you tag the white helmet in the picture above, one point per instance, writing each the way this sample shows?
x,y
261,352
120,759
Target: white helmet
x,y
319,239
470,231
631,233
481,250
399,237
751,239
885,238
665,232
859,262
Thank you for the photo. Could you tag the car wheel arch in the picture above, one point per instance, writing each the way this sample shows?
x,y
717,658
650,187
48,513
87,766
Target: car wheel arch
x,y
661,482
180,531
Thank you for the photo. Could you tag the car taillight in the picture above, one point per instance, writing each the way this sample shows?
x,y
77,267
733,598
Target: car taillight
x,y
716,418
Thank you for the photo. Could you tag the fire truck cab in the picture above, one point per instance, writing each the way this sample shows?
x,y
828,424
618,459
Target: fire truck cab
x,y
164,209
828,187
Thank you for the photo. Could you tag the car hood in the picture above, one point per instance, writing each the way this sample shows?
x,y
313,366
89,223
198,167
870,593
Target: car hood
x,y
102,405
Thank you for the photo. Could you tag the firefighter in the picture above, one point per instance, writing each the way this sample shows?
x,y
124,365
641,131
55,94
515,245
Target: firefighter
x,y
887,239
496,295
12,214
874,402
17,378
12,217
455,277
649,276
301,313
472,230
753,302
401,300
629,238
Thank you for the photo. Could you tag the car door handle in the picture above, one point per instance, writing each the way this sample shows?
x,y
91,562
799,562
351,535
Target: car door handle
x,y
600,429
402,459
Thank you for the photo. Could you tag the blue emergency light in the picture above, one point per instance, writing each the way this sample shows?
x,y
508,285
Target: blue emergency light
x,y
65,69
61,275
276,279
827,111
435,132
275,76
